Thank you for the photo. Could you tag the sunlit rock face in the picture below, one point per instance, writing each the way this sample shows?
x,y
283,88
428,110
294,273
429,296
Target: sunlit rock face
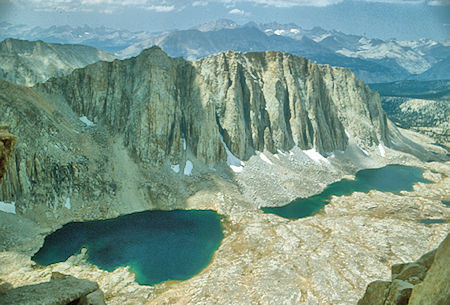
x,y
256,101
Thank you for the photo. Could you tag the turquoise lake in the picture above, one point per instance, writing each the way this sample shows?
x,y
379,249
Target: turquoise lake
x,y
391,178
157,245
432,221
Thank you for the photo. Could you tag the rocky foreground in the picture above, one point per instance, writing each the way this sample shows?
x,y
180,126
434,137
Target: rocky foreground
x,y
325,259
426,281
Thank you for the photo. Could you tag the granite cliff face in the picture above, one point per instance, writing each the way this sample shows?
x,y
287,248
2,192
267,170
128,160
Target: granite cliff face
x,y
121,131
28,62
256,101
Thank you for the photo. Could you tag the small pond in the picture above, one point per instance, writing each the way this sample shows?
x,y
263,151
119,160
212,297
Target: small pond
x,y
391,178
432,221
157,245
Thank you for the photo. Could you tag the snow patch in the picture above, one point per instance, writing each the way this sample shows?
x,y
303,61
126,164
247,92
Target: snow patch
x,y
281,152
265,159
8,207
236,169
188,168
175,168
184,144
321,37
67,203
86,121
315,156
279,32
233,162
276,156
381,149
365,152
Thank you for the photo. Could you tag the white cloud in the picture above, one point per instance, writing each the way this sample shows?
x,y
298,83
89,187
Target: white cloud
x,y
236,11
285,3
110,6
160,8
101,6
199,3
439,2
321,3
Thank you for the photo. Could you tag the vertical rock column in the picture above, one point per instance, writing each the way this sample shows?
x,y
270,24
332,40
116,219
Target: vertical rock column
x,y
7,145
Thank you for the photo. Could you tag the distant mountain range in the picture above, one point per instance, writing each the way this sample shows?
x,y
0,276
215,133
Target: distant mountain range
x,y
111,40
373,60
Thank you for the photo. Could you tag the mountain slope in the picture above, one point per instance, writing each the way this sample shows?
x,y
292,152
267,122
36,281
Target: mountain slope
x,y
26,63
440,70
423,106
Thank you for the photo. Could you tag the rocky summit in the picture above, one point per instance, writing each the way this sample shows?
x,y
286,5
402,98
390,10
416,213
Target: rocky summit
x,y
231,132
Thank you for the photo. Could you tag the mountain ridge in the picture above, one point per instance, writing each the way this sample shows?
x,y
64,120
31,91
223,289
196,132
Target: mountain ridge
x,y
374,60
28,62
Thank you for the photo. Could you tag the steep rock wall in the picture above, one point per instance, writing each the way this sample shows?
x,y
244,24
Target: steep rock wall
x,y
7,145
256,101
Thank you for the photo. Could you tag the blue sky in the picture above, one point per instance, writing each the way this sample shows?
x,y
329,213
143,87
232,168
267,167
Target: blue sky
x,y
402,19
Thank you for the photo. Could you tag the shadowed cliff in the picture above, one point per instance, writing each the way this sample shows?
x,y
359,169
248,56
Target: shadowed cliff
x,y
7,145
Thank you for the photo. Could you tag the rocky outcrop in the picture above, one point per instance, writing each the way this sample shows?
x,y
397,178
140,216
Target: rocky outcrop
x,y
425,281
28,62
435,288
67,290
7,145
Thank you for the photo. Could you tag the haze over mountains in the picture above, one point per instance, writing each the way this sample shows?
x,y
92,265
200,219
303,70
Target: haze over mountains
x,y
104,38
373,60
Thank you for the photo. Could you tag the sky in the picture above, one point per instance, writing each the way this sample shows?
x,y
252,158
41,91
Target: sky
x,y
401,19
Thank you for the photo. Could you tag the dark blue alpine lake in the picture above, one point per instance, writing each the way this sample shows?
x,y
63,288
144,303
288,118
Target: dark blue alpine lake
x,y
391,178
157,245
